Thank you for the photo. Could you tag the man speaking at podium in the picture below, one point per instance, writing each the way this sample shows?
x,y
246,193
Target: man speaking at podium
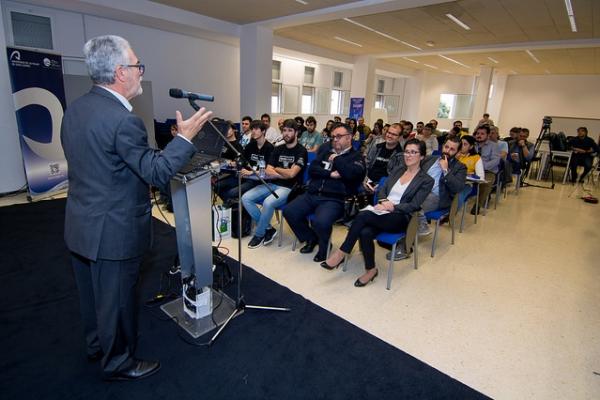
x,y
108,214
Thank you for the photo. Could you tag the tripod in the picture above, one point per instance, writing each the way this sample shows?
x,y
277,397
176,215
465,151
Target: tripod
x,y
544,135
240,304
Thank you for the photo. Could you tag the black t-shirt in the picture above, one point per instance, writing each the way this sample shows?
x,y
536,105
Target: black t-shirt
x,y
584,143
227,153
253,154
283,157
379,168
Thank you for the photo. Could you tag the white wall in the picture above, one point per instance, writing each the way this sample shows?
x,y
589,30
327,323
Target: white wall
x,y
527,99
431,86
177,61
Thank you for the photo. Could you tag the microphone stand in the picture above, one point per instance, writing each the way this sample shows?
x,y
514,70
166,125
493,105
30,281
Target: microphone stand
x,y
240,304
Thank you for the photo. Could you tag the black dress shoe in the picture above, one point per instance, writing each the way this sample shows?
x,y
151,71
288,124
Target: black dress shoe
x,y
330,267
95,356
358,283
140,369
318,257
308,247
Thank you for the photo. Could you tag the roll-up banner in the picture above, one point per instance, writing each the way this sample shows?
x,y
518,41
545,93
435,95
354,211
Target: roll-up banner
x,y
39,97
357,107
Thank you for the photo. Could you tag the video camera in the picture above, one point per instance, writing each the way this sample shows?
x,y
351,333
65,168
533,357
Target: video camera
x,y
546,122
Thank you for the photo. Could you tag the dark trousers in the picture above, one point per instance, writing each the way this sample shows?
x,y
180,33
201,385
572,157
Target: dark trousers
x,y
326,209
584,160
227,188
366,226
108,309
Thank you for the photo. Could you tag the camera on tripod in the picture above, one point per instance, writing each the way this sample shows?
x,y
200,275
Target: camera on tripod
x,y
546,122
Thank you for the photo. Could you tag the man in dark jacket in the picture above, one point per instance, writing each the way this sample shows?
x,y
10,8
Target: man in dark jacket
x,y
450,177
336,172
582,147
108,213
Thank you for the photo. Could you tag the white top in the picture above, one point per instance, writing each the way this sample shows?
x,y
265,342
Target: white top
x,y
272,135
397,191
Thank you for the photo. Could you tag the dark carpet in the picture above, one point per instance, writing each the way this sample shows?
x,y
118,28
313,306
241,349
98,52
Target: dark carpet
x,y
308,353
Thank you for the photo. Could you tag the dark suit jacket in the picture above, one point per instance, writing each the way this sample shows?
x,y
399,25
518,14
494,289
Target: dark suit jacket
x,y
415,194
350,165
110,170
451,183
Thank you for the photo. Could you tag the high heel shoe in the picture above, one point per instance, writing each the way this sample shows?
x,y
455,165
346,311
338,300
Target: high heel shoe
x,y
330,267
358,283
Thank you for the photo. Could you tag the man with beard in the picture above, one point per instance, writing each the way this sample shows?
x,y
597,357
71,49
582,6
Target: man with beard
x,y
284,169
379,156
336,173
311,139
449,177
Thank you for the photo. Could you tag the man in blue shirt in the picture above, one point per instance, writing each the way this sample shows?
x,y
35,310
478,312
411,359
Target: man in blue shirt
x,y
490,155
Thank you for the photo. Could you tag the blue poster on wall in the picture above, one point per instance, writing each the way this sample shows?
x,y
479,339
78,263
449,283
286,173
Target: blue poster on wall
x,y
39,97
357,107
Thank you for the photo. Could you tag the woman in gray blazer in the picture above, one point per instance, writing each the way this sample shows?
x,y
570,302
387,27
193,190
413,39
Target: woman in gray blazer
x,y
403,193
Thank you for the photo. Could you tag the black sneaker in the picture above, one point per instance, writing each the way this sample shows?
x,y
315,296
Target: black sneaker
x,y
255,242
269,235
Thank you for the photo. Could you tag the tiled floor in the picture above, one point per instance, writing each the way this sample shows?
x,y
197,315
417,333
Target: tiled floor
x,y
512,309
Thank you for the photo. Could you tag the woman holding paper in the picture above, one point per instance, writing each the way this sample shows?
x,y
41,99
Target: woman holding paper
x,y
403,193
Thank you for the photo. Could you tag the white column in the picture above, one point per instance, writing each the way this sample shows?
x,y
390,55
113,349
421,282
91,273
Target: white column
x,y
482,93
12,175
256,55
363,83
494,107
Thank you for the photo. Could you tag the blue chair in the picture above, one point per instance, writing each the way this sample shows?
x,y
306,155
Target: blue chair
x,y
497,186
437,215
462,203
410,237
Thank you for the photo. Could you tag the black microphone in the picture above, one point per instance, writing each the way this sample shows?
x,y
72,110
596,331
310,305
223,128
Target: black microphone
x,y
182,94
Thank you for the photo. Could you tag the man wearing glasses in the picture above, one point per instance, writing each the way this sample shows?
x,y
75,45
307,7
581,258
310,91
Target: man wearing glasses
x,y
108,213
336,172
379,156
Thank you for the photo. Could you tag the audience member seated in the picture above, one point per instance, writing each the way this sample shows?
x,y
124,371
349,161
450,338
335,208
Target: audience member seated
x,y
582,147
311,139
449,176
326,132
336,172
407,133
436,131
485,121
272,135
454,132
431,142
490,155
458,124
513,135
379,156
502,145
468,156
284,169
402,194
300,121
228,153
521,152
363,130
246,133
258,153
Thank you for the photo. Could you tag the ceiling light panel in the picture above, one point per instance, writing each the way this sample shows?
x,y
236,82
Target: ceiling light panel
x,y
458,22
341,39
533,57
385,35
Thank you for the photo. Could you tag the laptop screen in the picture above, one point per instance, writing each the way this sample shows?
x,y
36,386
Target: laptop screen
x,y
208,141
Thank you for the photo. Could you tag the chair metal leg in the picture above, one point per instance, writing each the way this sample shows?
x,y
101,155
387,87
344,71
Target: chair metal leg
x,y
452,221
498,190
345,265
280,239
435,233
416,252
462,217
294,243
390,267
